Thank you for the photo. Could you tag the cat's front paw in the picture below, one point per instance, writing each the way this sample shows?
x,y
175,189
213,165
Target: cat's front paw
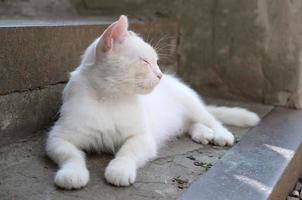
x,y
72,178
120,172
223,137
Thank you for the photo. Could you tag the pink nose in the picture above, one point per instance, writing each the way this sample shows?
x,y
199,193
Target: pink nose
x,y
159,76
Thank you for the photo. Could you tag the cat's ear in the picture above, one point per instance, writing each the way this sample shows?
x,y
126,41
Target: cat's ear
x,y
120,29
116,32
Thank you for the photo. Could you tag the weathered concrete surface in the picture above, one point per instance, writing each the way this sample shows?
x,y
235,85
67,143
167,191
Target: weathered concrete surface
x,y
34,55
243,49
248,50
36,8
22,114
264,165
26,172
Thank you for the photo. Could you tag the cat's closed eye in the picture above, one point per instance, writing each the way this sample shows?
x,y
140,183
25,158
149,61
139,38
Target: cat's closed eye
x,y
145,61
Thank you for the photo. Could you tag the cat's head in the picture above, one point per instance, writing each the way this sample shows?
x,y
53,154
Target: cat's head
x,y
126,60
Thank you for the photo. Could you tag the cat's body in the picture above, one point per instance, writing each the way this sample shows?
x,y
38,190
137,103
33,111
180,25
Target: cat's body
x,y
114,102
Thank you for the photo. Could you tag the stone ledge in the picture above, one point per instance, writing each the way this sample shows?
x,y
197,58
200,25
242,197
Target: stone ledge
x,y
37,53
264,165
13,23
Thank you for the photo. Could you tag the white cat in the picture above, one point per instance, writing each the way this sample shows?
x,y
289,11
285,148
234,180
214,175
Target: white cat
x,y
119,101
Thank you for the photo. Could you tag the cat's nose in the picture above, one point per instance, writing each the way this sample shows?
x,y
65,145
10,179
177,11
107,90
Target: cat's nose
x,y
159,76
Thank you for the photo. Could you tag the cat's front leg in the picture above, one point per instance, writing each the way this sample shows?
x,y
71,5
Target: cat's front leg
x,y
73,173
134,153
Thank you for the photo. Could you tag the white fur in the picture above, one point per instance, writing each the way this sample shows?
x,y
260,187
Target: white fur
x,y
234,116
114,102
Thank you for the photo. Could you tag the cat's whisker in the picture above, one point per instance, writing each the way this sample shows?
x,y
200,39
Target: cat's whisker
x,y
149,39
165,37
172,46
160,40
166,45
161,56
169,50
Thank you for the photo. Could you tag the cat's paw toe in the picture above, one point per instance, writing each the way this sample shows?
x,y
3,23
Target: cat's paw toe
x,y
201,134
223,137
72,178
120,172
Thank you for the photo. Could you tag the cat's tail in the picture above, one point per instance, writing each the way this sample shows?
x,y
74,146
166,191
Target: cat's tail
x,y
234,116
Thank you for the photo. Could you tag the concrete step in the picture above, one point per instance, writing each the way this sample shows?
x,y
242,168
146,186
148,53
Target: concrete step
x,y
36,57
264,165
37,53
27,173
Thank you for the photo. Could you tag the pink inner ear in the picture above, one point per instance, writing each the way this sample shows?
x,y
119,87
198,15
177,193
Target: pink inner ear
x,y
105,44
120,29
115,32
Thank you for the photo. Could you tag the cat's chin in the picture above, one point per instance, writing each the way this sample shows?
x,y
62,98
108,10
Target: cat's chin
x,y
144,90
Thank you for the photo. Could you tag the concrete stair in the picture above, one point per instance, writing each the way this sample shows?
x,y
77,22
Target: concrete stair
x,y
264,165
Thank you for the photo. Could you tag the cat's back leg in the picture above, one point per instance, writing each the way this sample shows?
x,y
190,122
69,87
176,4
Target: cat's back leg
x,y
203,127
201,133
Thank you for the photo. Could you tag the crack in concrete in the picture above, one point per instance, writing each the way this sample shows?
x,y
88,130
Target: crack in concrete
x,y
180,165
31,89
174,155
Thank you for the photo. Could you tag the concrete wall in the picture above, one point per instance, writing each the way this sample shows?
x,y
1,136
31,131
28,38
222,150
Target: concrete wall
x,y
32,9
248,50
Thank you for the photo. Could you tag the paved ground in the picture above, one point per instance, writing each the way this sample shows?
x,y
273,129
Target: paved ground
x,y
26,172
